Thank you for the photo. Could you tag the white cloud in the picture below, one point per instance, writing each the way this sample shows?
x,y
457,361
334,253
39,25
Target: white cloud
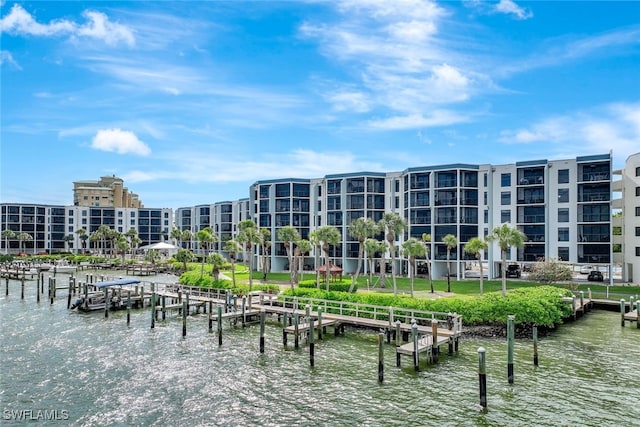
x,y
510,7
119,141
7,58
610,127
21,22
416,121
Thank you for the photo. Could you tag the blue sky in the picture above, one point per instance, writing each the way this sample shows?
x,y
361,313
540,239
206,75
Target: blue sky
x,y
191,102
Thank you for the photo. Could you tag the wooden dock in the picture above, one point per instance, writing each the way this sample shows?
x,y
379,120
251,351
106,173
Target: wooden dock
x,y
632,316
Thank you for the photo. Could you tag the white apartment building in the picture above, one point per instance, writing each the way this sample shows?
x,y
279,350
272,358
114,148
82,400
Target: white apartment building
x,y
627,186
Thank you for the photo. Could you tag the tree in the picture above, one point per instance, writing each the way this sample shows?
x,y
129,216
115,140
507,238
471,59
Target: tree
x,y
372,247
7,235
288,235
450,242
393,224
317,250
265,247
506,237
205,239
303,247
327,235
250,236
152,256
67,239
426,238
113,236
176,235
232,247
82,234
412,248
187,236
184,256
361,229
123,246
476,246
217,262
23,237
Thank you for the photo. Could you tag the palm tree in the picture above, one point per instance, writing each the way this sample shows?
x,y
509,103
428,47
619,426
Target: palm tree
x,y
68,238
476,246
413,248
23,237
7,235
451,242
205,239
393,224
184,256
217,263
187,235
289,236
152,256
372,247
176,235
506,237
103,233
426,238
317,245
123,246
303,246
250,236
327,235
361,229
82,234
233,248
265,246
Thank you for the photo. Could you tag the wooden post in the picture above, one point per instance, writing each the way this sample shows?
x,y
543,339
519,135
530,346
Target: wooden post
x,y
69,296
380,357
311,343
244,311
482,376
510,341
153,310
210,317
535,345
414,337
263,313
296,324
142,296
22,289
164,307
398,337
185,309
187,299
320,323
638,314
434,345
219,325
106,303
582,302
6,285
391,324
622,310
129,307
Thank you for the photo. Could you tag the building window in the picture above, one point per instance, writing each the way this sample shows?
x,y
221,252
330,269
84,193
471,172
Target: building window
x,y
637,210
563,253
485,179
563,176
505,198
505,216
563,234
485,198
563,215
637,250
486,217
563,195
70,229
84,221
637,191
638,171
638,231
70,220
505,179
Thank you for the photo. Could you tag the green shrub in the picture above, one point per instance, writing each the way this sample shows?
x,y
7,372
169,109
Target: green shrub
x,y
542,306
342,286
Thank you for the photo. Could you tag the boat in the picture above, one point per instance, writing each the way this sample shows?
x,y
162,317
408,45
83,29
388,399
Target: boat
x,y
95,300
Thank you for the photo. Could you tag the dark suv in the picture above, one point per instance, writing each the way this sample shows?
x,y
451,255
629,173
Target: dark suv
x,y
513,270
595,276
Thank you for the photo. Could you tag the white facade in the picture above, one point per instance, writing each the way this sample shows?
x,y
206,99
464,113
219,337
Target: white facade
x,y
628,186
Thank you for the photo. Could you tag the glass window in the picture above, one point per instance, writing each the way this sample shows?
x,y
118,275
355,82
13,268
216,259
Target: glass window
x,y
486,217
637,231
563,234
485,179
563,253
505,198
505,179
637,191
638,171
505,216
563,176
637,250
563,215
563,195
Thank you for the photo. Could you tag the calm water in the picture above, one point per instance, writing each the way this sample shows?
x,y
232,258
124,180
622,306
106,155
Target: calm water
x,y
93,371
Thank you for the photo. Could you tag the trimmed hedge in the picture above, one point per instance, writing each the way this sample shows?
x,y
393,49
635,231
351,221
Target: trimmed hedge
x,y
192,278
342,286
542,306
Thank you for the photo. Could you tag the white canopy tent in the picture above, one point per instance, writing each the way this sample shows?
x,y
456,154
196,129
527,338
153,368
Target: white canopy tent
x,y
161,246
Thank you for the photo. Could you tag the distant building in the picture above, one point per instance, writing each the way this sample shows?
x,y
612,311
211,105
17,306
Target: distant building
x,y
628,187
109,191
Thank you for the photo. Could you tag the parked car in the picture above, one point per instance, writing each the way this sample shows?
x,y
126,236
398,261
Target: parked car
x,y
586,269
595,276
513,270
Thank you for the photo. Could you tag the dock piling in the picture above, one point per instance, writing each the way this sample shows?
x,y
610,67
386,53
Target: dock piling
x,y
219,325
311,341
414,337
296,322
380,357
535,345
185,309
320,331
22,289
482,376
622,311
129,307
510,340
106,303
263,314
435,350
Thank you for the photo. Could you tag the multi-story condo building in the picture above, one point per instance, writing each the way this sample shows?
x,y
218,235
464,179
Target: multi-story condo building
x,y
628,204
109,191
54,228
